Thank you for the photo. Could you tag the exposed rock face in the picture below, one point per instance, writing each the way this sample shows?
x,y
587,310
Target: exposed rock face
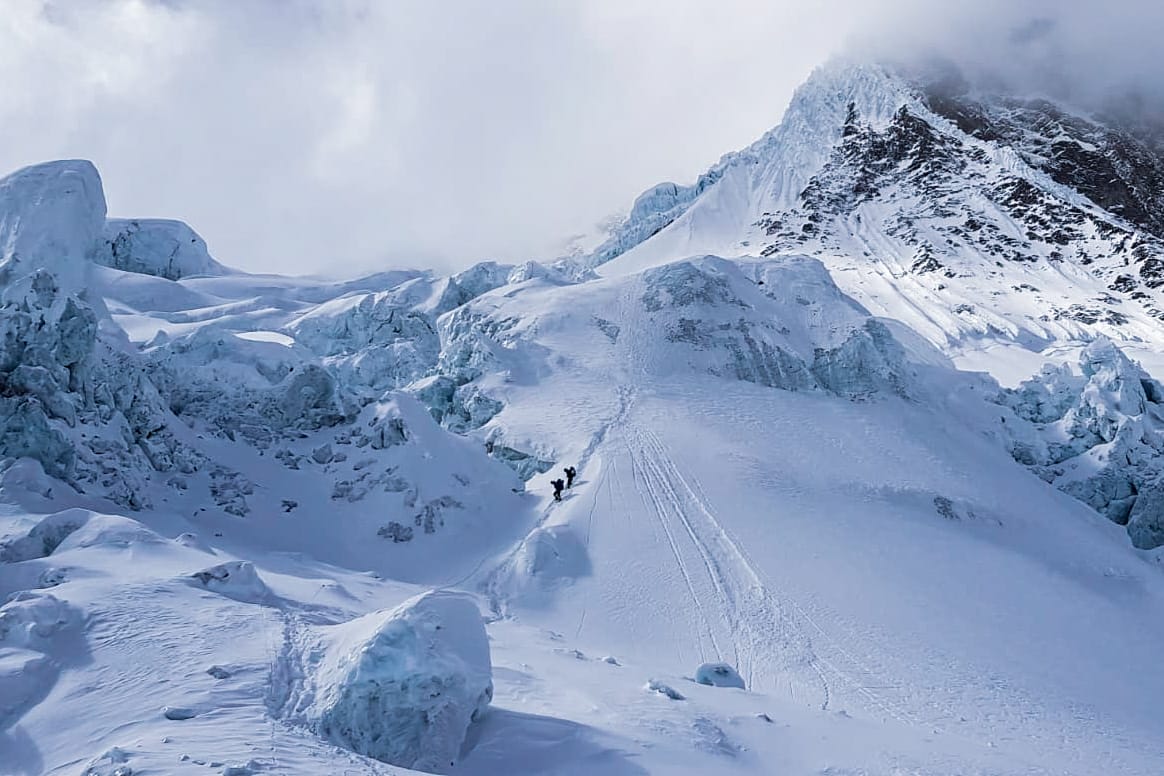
x,y
944,192
1108,163
981,201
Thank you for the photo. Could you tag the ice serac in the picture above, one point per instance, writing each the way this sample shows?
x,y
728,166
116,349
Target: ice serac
x,y
51,219
155,246
374,341
783,324
74,399
1097,435
404,686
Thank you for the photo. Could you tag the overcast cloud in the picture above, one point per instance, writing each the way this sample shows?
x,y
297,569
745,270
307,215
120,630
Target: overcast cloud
x,y
341,136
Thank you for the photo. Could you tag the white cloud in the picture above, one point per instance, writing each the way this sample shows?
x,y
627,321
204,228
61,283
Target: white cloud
x,y
347,135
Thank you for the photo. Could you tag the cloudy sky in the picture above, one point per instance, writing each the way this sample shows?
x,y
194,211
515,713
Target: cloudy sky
x,y
340,136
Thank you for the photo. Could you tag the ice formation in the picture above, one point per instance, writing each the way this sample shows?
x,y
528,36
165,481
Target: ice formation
x,y
154,246
1098,435
404,686
754,379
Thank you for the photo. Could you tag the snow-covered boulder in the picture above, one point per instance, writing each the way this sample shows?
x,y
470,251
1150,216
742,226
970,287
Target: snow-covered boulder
x,y
104,531
550,556
718,675
403,686
155,246
30,620
43,538
235,579
664,689
24,676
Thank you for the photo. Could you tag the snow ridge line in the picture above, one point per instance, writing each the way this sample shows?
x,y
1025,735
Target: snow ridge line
x,y
491,586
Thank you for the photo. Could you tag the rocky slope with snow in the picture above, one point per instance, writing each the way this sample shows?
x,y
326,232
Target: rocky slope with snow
x,y
226,499
967,215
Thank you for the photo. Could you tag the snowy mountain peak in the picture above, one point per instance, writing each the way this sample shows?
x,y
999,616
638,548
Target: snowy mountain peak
x,y
775,168
969,217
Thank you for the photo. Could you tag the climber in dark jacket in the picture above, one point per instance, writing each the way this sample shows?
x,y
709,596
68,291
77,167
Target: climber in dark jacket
x,y
571,473
558,485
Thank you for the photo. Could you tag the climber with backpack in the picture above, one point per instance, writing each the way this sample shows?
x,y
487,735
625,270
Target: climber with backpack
x,y
571,473
558,485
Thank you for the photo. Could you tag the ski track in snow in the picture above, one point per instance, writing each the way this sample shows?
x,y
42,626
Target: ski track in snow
x,y
770,641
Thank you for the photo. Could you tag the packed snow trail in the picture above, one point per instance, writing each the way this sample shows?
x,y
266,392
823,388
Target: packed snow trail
x,y
764,644
676,544
493,583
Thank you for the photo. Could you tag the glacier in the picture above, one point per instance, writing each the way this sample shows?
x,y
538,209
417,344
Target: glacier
x,y
869,474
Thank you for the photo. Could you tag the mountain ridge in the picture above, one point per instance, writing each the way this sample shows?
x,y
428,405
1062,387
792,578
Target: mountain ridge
x,y
883,165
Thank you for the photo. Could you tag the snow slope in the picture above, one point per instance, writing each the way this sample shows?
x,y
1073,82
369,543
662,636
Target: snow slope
x,y
253,524
895,563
